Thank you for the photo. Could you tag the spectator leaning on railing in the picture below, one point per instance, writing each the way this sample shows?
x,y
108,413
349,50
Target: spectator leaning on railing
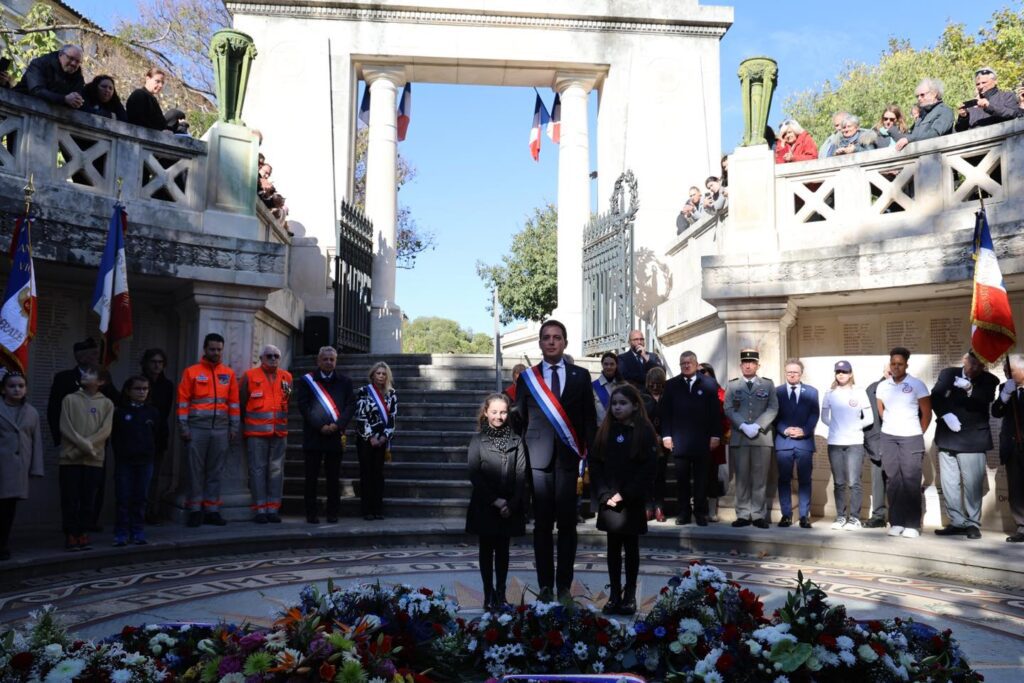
x,y
991,106
890,126
827,148
795,143
143,107
691,212
56,77
936,118
101,99
716,199
853,138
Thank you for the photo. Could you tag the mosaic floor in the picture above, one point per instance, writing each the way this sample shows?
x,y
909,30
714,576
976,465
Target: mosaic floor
x,y
989,623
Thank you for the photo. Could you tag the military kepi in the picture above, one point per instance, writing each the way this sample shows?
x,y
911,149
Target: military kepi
x,y
750,354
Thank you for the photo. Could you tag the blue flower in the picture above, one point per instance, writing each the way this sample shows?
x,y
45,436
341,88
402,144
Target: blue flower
x,y
660,631
640,627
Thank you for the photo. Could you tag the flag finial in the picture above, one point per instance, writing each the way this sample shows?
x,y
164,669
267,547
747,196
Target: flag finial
x,y
120,182
30,189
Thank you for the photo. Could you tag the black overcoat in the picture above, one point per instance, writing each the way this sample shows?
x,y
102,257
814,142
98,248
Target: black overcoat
x,y
496,473
633,479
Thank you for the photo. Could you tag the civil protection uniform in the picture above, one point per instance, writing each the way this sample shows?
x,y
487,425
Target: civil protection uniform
x,y
208,409
265,426
751,401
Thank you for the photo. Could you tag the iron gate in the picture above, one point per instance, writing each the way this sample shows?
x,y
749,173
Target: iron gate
x,y
353,267
608,271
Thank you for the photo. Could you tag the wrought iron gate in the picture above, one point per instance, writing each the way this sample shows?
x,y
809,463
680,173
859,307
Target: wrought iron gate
x,y
608,271
353,267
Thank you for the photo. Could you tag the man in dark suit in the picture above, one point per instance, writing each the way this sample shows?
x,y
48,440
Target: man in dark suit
x,y
961,398
634,363
1010,408
691,428
554,465
794,441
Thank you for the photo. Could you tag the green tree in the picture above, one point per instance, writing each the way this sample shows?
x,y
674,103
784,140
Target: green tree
x,y
35,38
527,278
441,335
866,89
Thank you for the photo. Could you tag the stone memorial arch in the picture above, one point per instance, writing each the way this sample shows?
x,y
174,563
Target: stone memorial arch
x,y
654,64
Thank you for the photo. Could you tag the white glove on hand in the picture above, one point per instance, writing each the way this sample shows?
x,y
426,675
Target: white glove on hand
x,y
751,430
962,383
723,474
952,421
1007,391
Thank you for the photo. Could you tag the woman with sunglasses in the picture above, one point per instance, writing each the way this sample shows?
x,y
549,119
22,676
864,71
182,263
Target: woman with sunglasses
x,y
890,126
847,412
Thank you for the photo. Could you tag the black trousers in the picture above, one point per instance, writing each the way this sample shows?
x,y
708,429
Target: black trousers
x,y
78,487
657,499
554,503
7,506
494,563
371,477
331,460
617,543
692,482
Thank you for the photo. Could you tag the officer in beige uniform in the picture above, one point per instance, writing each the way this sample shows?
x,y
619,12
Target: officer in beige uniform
x,y
751,405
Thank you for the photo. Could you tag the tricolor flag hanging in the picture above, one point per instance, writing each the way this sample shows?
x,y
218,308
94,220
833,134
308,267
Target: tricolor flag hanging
x,y
18,315
110,300
404,111
540,119
555,124
992,329
364,106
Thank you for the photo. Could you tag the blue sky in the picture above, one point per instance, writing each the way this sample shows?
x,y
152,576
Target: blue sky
x,y
476,181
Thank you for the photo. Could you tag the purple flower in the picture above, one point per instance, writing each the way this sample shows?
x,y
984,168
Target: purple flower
x,y
229,665
252,641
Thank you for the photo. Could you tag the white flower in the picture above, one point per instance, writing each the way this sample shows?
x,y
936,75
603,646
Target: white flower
x,y
781,679
687,637
602,651
598,667
844,642
755,647
53,651
65,671
377,679
283,656
690,625
713,677
184,627
847,658
866,653
472,645
372,621
152,627
504,619
205,645
675,647
121,676
580,649
276,640
236,677
825,656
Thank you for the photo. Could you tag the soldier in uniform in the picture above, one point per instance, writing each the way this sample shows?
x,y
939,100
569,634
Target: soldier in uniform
x,y
751,405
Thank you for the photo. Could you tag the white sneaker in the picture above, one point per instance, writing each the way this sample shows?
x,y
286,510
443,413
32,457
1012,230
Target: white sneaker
x,y
910,533
853,524
839,523
896,531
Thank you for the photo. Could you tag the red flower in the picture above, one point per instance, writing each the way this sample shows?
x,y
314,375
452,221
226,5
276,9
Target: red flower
x,y
521,609
602,638
128,630
827,640
517,631
22,661
664,589
710,596
327,671
937,644
730,633
461,622
427,592
537,643
555,638
438,629
725,663
602,622
877,647
491,635
403,617
875,625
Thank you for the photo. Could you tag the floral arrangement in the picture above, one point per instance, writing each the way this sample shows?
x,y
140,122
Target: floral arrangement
x,y
702,627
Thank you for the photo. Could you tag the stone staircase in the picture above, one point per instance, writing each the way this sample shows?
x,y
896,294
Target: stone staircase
x,y
438,399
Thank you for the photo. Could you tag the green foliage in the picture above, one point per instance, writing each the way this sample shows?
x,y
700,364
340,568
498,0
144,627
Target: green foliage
x,y
527,278
28,46
865,90
440,335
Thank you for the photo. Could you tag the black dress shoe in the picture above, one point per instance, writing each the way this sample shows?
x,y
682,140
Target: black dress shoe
x,y
741,523
951,531
1016,538
786,521
312,519
195,518
273,518
805,523
546,595
260,518
332,519
702,520
874,523
368,518
761,523
973,533
682,520
214,519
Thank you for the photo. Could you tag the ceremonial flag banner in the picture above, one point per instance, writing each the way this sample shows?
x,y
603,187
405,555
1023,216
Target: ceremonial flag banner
x,y
110,300
18,315
992,329
404,111
540,119
364,106
555,124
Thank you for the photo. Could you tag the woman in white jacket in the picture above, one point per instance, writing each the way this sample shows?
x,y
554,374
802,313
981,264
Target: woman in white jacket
x,y
847,412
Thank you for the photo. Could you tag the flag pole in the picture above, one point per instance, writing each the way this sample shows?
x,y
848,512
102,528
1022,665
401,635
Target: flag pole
x,y
30,189
120,182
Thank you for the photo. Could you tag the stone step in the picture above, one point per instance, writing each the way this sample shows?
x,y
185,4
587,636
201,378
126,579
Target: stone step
x,y
405,489
400,452
393,507
461,422
435,471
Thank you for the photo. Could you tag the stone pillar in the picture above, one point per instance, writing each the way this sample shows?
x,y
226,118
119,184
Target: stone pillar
x,y
573,200
762,325
751,225
382,204
232,53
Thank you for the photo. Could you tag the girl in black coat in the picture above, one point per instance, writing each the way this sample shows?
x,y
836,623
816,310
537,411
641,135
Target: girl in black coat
x,y
622,469
497,470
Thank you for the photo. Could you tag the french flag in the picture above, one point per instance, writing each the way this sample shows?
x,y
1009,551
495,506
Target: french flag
x,y
540,119
555,124
404,111
18,314
110,299
992,329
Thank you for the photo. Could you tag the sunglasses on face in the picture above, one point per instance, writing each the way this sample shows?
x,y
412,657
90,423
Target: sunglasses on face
x,y
984,72
888,118
271,355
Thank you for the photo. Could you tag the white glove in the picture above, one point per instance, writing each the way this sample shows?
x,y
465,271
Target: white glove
x,y
723,474
1008,388
952,421
751,430
962,383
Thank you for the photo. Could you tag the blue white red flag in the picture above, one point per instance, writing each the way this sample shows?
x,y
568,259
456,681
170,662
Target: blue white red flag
x,y
555,124
18,314
540,119
364,106
110,299
404,111
325,400
552,409
992,329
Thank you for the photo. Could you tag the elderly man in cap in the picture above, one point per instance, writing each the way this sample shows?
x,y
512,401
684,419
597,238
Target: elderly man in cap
x,y
751,404
991,106
56,77
961,398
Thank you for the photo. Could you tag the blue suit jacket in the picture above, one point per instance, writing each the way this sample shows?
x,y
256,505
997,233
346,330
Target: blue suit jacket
x,y
803,415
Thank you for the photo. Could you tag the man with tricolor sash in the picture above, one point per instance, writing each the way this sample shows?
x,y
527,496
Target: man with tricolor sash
x,y
264,393
327,402
555,406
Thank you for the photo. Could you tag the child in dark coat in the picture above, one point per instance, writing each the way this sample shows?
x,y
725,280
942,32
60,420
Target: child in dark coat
x,y
623,465
134,442
497,470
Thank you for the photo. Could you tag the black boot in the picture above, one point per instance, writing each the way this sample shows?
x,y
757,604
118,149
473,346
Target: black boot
x,y
498,599
488,598
614,604
627,607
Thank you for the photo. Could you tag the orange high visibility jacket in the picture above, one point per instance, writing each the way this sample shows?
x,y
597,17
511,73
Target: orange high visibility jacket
x,y
208,396
266,407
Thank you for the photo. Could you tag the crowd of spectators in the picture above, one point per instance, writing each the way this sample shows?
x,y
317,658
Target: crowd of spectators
x,y
714,201
267,191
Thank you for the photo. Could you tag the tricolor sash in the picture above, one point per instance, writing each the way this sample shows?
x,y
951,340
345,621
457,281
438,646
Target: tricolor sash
x,y
552,409
602,392
329,406
379,400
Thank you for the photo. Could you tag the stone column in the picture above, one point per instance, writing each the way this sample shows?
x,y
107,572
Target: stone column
x,y
382,204
573,200
762,325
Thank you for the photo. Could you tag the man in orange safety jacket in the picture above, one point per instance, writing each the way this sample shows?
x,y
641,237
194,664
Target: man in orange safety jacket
x,y
265,391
